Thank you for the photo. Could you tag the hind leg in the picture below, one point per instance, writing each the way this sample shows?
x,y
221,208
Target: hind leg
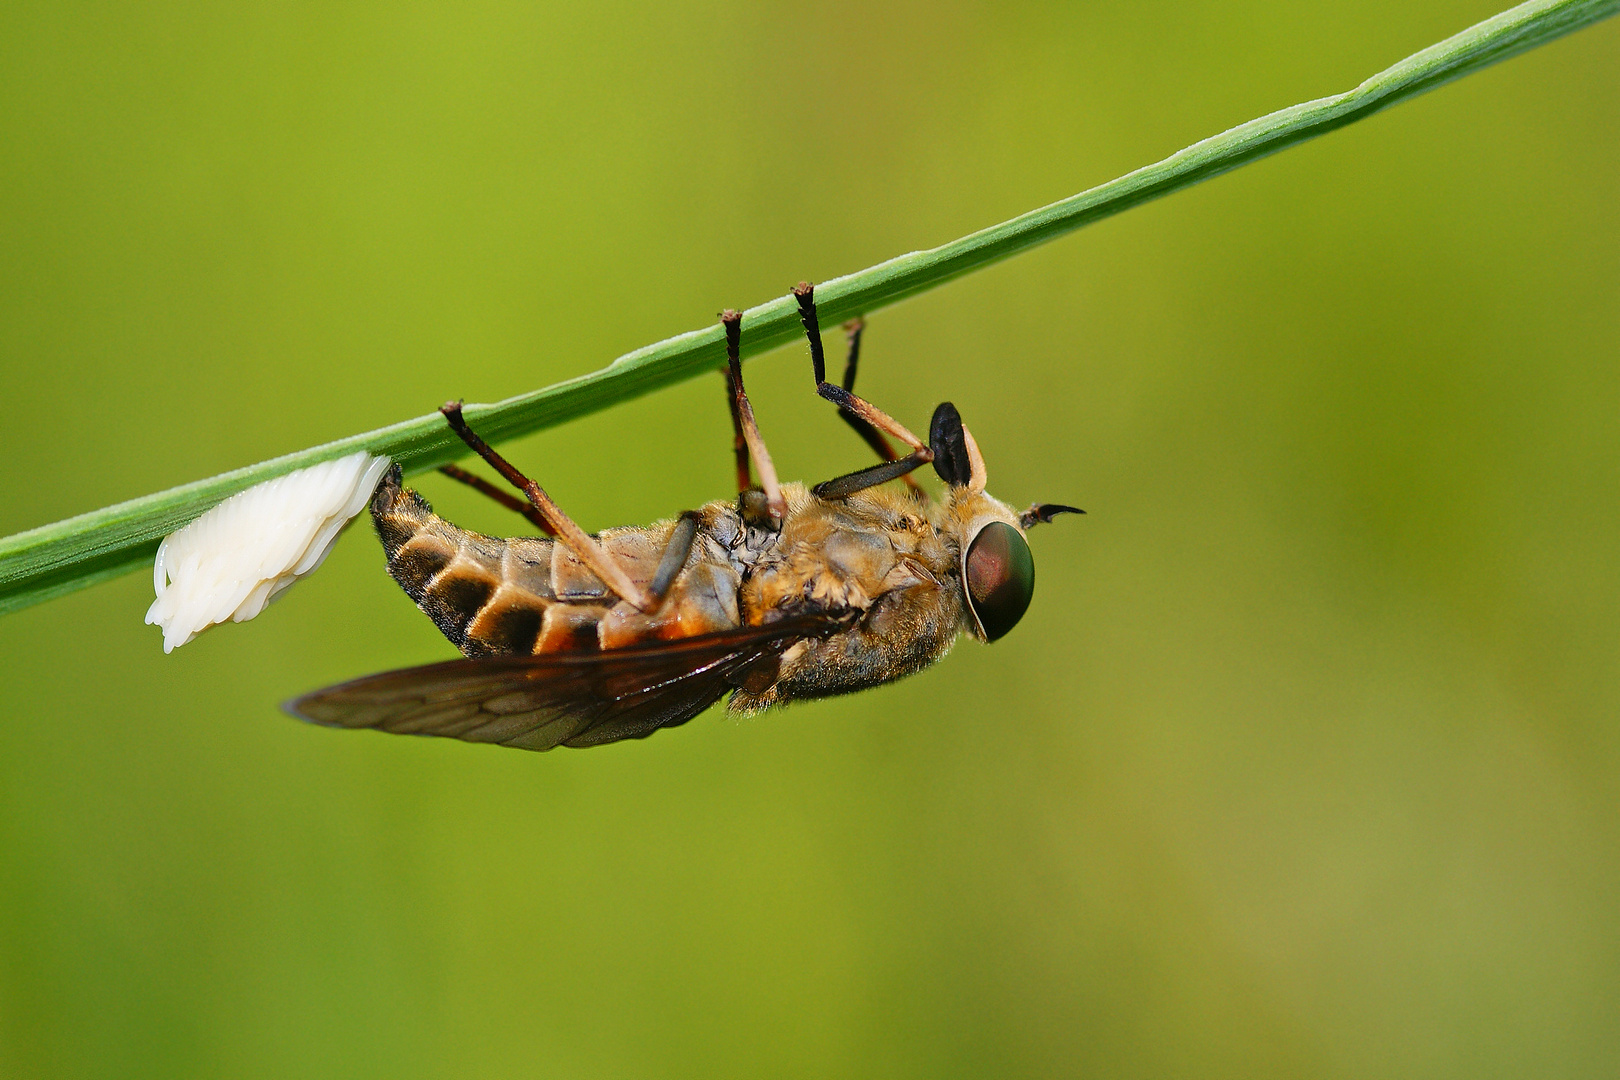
x,y
587,550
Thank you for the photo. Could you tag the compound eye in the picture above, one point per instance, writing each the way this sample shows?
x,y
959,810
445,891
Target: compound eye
x,y
1000,575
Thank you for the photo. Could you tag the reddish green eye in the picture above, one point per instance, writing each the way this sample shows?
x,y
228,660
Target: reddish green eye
x,y
999,572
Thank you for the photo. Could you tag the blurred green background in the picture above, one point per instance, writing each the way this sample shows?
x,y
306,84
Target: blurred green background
x,y
1306,761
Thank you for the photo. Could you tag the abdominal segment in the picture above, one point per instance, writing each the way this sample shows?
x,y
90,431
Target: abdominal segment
x,y
527,595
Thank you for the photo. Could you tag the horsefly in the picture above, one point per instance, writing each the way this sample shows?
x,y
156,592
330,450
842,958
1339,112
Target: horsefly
x,y
783,594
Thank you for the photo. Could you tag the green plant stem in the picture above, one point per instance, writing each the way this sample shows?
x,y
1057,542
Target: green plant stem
x,y
57,559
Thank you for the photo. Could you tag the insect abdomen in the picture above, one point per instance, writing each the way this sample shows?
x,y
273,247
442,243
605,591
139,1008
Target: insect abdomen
x,y
488,596
527,595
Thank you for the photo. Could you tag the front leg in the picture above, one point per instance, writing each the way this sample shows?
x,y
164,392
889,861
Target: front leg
x,y
868,420
846,401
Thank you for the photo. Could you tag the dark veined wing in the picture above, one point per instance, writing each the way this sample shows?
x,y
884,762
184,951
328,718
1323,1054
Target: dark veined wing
x,y
561,699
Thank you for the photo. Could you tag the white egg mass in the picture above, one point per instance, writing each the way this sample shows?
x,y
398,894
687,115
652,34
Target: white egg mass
x,y
236,558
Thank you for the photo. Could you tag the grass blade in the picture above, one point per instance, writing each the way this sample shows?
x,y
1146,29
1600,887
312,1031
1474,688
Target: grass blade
x,y
56,559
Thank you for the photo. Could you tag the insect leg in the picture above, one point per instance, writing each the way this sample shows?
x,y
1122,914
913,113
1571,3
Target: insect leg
x,y
852,334
878,441
846,401
874,438
871,476
776,506
587,550
479,484
675,553
739,442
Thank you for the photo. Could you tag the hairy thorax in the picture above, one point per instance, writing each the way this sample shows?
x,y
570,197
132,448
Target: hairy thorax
x,y
876,555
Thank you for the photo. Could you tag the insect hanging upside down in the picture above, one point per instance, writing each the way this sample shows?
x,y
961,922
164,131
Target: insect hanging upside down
x,y
784,594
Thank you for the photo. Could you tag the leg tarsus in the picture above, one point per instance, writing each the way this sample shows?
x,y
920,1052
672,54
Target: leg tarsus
x,y
805,293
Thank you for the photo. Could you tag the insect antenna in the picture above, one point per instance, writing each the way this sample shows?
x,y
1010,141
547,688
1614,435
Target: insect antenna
x,y
1040,512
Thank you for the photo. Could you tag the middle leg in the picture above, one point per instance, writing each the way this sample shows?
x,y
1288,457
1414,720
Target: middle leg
x,y
739,441
742,416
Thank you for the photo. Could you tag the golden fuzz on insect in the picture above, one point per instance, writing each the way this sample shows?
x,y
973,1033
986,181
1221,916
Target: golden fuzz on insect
x,y
236,558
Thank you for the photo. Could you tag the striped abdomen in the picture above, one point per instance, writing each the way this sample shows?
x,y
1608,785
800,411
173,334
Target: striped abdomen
x,y
528,595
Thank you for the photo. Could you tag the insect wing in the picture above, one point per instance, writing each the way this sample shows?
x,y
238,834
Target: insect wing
x,y
559,699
